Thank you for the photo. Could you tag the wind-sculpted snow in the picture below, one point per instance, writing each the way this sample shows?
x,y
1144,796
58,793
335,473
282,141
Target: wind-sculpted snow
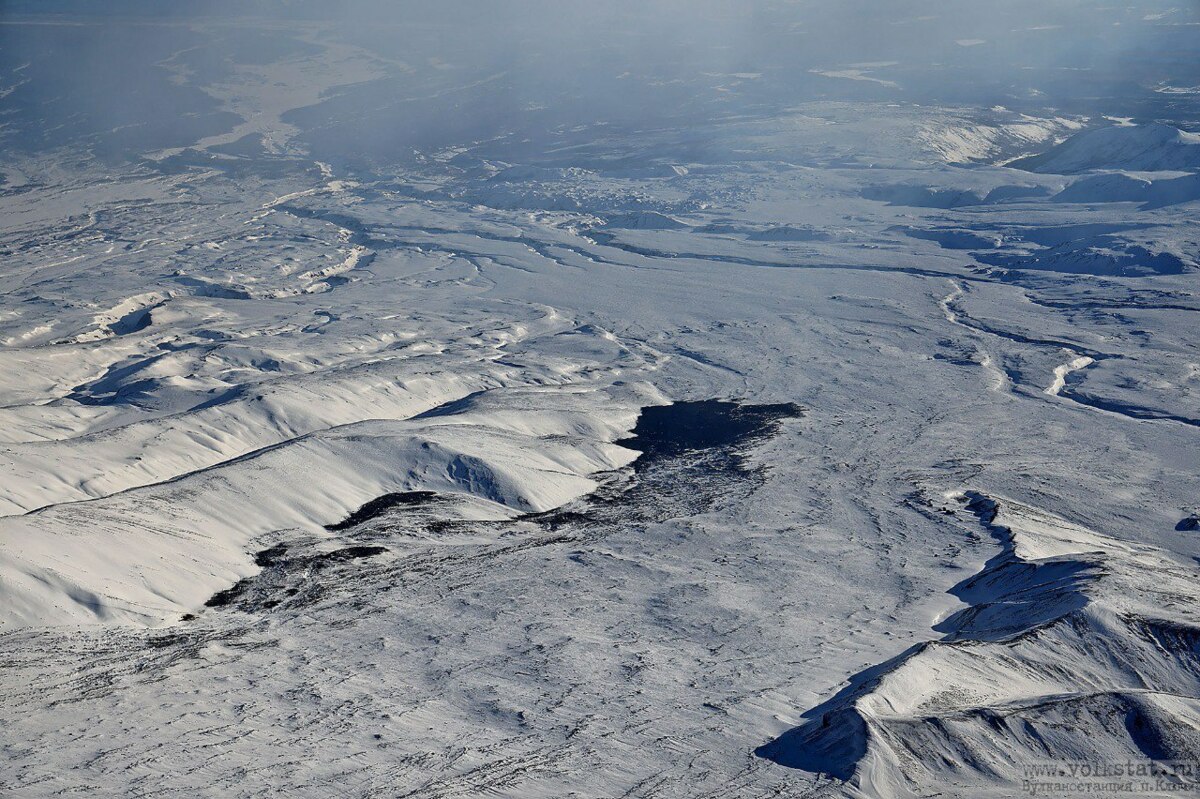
x,y
1065,648
542,399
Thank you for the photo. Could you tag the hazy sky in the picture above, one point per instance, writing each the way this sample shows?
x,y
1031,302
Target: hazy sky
x,y
127,75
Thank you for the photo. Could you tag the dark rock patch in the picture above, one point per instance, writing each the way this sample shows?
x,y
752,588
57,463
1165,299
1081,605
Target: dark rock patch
x,y
380,505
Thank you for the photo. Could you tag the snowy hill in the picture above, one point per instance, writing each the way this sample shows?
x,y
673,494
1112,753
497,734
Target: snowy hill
x,y
1151,147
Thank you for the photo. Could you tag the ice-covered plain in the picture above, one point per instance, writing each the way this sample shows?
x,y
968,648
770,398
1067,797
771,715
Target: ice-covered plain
x,y
625,399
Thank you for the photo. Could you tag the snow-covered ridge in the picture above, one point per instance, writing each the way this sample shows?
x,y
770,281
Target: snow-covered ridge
x,y
1152,147
148,554
965,143
1073,646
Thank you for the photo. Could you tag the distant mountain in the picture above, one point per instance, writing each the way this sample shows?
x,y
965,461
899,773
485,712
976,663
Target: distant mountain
x,y
1137,148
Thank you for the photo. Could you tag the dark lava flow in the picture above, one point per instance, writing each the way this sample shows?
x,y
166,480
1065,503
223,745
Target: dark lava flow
x,y
381,505
668,431
693,454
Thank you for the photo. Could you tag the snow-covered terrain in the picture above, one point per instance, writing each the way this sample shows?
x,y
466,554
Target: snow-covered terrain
x,y
568,399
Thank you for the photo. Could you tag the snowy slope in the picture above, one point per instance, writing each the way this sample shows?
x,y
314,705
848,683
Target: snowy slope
x,y
1063,648
1152,147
